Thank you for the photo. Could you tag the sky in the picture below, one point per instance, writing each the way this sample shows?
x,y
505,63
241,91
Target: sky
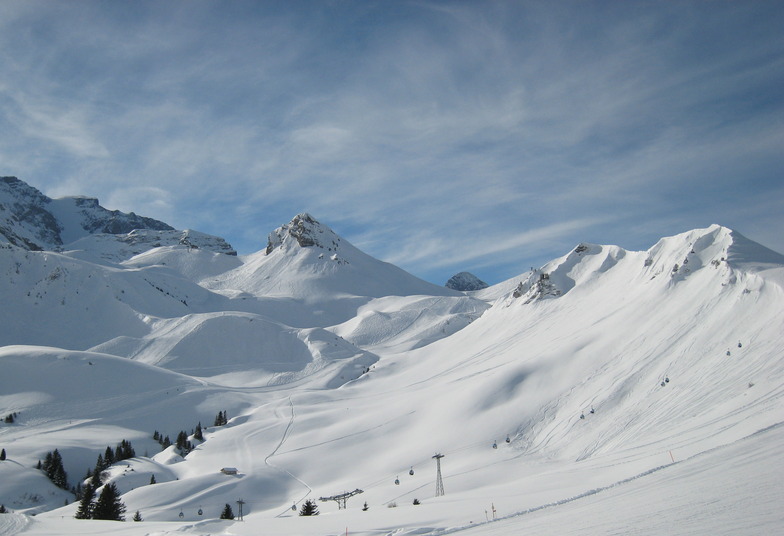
x,y
442,137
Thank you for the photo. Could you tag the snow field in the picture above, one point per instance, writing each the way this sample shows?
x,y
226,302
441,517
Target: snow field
x,y
701,453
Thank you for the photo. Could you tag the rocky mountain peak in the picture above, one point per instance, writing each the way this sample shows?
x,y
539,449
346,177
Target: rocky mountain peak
x,y
304,231
465,281
31,220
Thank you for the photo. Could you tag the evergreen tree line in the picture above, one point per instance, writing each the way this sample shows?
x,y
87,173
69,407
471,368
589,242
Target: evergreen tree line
x,y
183,444
221,419
123,451
53,467
108,506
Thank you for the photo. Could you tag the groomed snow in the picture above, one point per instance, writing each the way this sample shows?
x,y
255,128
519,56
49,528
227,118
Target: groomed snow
x,y
680,365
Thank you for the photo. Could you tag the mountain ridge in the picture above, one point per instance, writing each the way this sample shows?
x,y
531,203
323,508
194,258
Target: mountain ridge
x,y
343,372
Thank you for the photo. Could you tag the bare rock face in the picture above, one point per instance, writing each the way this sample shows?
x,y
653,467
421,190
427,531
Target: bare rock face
x,y
33,221
465,281
306,232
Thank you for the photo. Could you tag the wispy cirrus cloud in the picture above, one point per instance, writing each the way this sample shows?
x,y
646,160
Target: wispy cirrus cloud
x,y
440,136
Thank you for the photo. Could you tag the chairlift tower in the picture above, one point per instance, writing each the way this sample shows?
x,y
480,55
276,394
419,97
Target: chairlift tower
x,y
439,480
240,503
342,498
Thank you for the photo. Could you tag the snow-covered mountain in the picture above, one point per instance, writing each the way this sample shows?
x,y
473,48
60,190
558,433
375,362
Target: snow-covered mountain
x,y
31,220
608,391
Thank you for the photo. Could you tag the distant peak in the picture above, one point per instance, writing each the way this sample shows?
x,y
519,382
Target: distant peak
x,y
465,281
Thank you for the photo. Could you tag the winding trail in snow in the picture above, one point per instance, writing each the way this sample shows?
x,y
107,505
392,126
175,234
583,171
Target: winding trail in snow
x,y
283,439
11,524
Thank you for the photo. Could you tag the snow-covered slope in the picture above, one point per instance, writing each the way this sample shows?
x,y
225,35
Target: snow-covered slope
x,y
646,384
305,259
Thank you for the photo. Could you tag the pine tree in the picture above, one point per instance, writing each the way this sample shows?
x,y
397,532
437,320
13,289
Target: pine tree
x,y
109,506
108,457
152,480
2,455
227,513
137,516
198,433
182,439
85,510
309,508
124,451
53,467
2,509
96,479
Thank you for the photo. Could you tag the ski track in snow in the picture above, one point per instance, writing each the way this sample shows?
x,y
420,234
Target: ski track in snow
x,y
283,438
527,370
588,493
11,524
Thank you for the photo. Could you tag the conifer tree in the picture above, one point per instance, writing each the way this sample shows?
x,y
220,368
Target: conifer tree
x,y
53,467
309,508
137,516
96,478
227,513
108,457
152,480
198,433
109,506
2,509
2,455
85,510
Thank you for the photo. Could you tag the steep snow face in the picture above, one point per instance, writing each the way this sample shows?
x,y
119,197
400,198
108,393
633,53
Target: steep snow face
x,y
307,261
71,303
117,248
583,264
671,260
396,324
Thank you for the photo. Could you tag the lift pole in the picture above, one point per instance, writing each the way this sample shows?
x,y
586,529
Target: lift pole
x,y
439,480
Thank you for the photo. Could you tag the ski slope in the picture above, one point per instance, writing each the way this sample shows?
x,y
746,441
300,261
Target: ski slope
x,y
675,349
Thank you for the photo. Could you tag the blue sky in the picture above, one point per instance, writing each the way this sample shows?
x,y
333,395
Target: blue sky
x,y
439,136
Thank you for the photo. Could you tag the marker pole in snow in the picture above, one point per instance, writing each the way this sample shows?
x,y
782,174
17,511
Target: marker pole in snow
x,y
439,480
